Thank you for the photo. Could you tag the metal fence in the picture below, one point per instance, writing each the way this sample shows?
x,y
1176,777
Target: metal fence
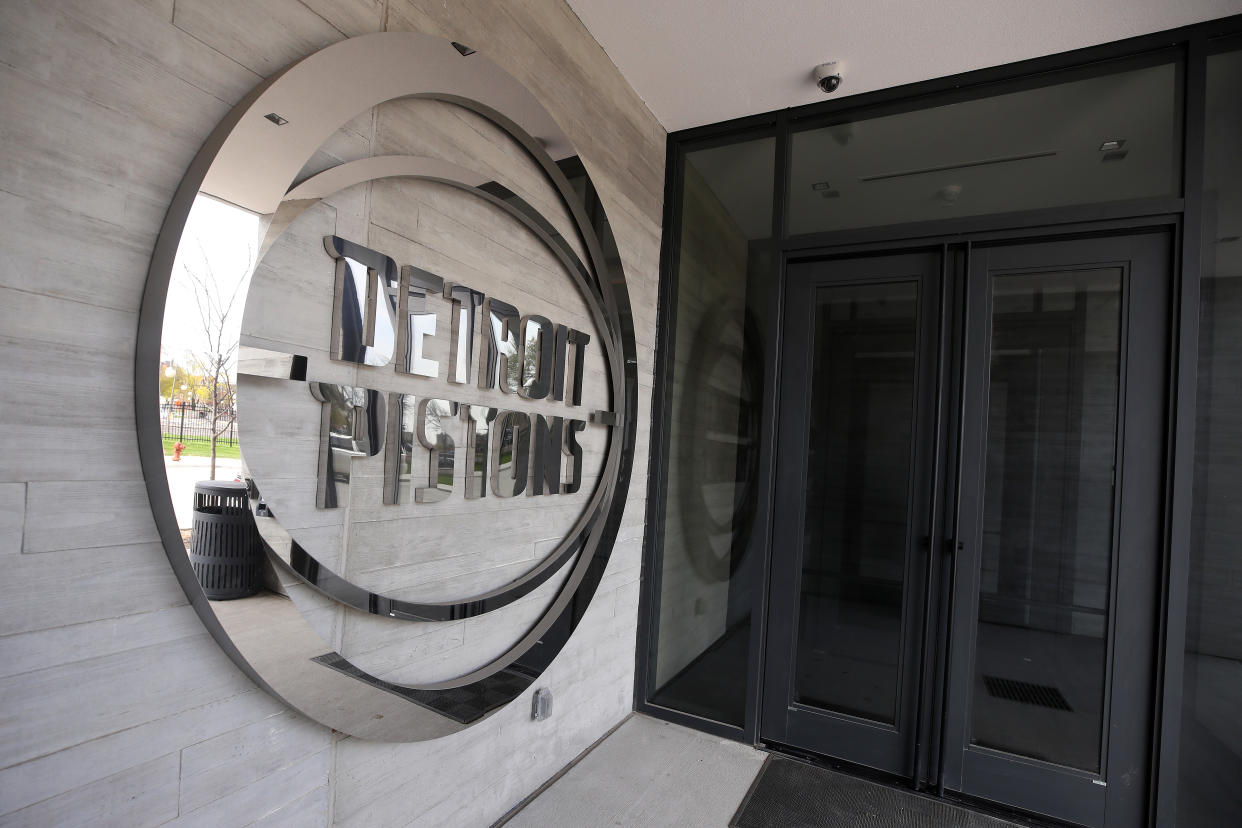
x,y
193,425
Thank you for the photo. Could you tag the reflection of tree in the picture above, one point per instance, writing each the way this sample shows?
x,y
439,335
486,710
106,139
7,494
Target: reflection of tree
x,y
516,367
437,410
529,372
216,360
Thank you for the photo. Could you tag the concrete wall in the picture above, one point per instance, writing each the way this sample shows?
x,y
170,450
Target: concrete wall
x,y
118,708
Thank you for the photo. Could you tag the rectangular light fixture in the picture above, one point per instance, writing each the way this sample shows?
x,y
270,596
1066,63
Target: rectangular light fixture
x,y
1113,145
275,119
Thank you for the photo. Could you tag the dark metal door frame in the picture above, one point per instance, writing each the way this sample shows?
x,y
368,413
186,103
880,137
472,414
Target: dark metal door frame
x,y
1138,507
879,746
937,754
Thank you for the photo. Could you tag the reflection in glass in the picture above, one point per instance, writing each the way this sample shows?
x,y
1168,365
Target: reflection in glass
x,y
992,155
716,378
1211,739
1048,515
858,492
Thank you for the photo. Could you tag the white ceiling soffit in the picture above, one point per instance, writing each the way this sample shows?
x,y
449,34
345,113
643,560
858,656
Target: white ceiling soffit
x,y
701,61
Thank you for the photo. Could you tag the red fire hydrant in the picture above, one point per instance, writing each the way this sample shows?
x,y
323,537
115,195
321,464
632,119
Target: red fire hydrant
x,y
177,449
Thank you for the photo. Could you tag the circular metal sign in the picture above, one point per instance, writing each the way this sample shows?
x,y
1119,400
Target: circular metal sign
x,y
490,404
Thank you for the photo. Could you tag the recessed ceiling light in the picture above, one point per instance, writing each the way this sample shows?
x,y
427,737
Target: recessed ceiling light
x,y
821,185
465,50
1113,145
275,119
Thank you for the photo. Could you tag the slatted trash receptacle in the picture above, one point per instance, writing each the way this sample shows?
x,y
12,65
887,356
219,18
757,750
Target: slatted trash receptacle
x,y
225,550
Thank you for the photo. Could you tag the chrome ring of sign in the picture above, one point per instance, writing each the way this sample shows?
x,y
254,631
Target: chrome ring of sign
x,y
268,638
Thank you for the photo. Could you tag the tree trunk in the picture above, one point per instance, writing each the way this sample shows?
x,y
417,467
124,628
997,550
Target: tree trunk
x,y
215,418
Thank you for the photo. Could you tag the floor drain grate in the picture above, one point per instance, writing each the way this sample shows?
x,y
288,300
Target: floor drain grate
x,y
1026,693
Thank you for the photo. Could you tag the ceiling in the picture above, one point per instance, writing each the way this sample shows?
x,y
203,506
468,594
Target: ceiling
x,y
697,62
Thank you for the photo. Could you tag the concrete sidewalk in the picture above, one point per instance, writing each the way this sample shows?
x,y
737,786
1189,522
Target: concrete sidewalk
x,y
648,773
184,473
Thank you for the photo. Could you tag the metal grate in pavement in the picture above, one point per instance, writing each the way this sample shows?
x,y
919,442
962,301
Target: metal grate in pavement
x,y
1026,693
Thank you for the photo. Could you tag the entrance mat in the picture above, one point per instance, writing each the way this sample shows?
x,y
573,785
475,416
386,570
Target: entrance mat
x,y
792,794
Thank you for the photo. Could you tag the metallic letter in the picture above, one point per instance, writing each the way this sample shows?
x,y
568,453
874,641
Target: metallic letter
x,y
558,362
510,449
399,455
578,342
478,419
433,436
352,425
365,303
538,337
416,321
545,463
461,342
572,449
500,331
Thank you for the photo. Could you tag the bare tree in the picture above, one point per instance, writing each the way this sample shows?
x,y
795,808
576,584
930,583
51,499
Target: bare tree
x,y
216,300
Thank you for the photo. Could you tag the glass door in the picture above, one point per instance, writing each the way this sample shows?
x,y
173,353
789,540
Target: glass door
x,y
1055,581
853,507
1020,634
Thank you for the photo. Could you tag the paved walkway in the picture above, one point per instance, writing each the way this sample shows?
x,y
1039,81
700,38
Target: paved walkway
x,y
184,473
648,773
652,773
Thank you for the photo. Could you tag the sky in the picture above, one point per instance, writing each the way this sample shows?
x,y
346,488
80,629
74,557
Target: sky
x,y
221,244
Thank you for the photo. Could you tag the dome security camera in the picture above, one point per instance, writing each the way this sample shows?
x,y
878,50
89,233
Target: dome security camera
x,y
828,77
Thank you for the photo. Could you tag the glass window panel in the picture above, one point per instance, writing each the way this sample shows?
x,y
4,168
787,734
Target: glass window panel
x,y
857,499
706,579
1042,147
1048,515
1211,743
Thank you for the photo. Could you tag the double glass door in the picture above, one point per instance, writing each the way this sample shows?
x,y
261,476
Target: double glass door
x,y
969,498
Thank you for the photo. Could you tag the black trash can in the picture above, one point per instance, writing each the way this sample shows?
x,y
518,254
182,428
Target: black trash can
x,y
225,550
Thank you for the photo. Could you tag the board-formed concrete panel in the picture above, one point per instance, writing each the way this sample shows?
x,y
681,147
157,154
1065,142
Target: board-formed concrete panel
x,y
105,103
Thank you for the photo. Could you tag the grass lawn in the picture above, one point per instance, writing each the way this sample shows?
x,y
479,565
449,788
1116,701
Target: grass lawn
x,y
202,448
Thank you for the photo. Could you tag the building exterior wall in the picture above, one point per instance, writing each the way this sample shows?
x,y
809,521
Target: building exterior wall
x,y
118,706
713,273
